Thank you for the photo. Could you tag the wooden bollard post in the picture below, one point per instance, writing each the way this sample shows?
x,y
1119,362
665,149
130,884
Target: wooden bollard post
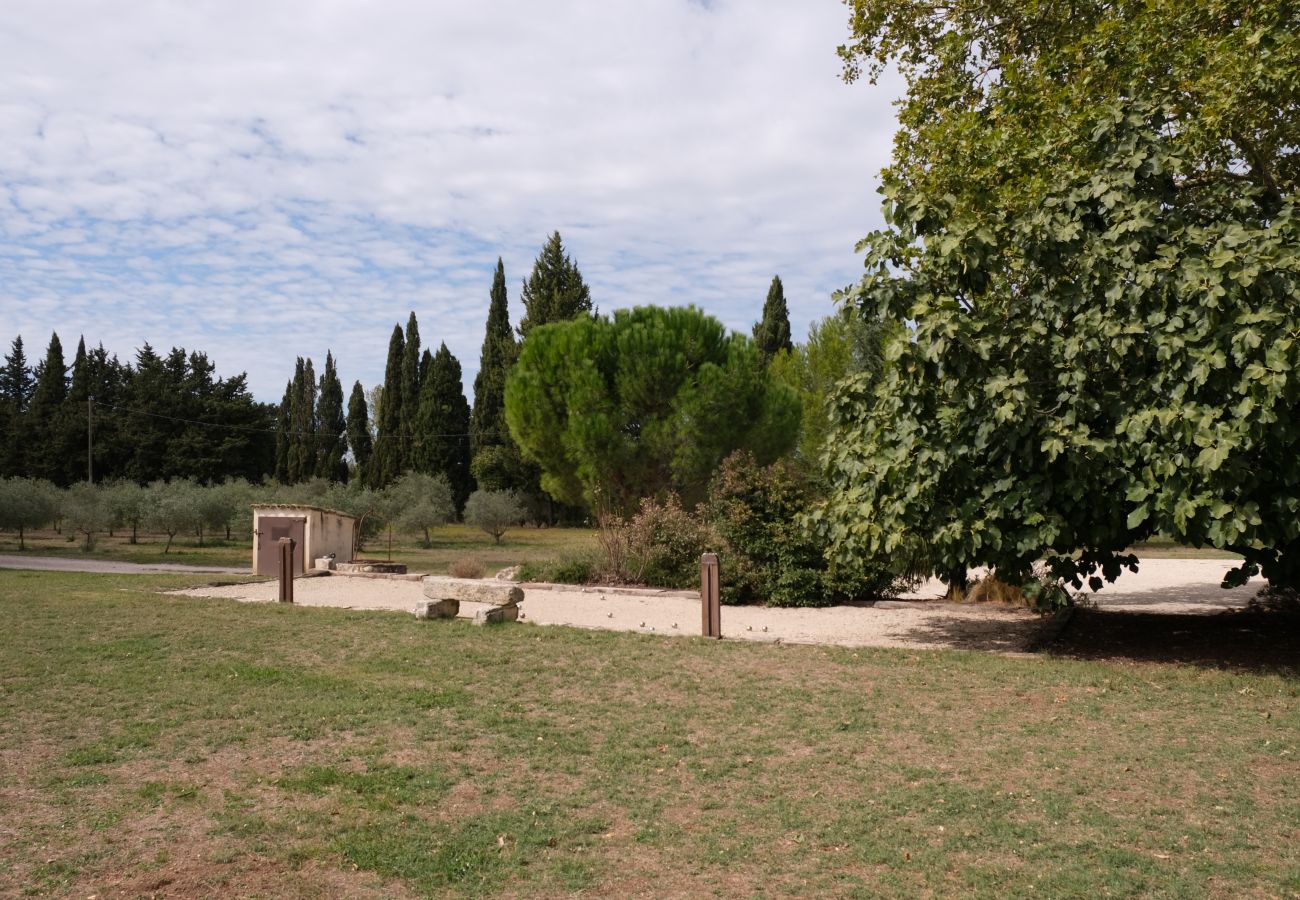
x,y
286,569
710,596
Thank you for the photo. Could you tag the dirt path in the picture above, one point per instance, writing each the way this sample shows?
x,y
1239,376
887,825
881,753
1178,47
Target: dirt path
x,y
916,621
107,566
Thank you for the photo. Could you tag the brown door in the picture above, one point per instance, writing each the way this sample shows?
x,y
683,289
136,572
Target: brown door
x,y
269,531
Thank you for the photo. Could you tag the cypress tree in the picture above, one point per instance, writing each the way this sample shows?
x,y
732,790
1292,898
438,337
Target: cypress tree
x,y
16,382
772,332
16,386
44,459
293,458
443,424
108,383
282,436
410,392
329,419
388,437
73,418
554,291
488,422
148,385
302,422
359,431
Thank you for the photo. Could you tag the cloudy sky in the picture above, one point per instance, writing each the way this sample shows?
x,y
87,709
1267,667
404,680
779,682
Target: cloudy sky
x,y
262,180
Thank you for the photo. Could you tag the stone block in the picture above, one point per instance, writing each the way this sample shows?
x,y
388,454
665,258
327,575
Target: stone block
x,y
437,609
496,614
469,590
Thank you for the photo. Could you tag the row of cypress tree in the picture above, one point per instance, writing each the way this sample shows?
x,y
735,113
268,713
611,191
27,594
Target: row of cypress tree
x,y
158,417
166,417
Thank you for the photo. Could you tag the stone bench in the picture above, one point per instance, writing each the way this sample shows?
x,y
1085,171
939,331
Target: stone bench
x,y
444,596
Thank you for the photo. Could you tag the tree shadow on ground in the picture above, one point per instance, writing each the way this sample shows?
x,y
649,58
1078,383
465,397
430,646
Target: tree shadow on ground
x,y
1192,597
973,628
1242,640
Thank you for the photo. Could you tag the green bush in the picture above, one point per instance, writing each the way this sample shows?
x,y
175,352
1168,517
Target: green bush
x,y
768,553
567,570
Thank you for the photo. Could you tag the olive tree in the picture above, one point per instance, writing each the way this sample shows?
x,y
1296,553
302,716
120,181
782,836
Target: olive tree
x,y
86,511
173,507
492,512
127,504
422,501
26,503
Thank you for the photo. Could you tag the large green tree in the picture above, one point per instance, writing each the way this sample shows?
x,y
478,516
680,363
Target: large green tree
x,y
16,386
554,291
495,461
772,331
387,456
442,426
1091,227
643,403
412,369
302,422
282,434
838,346
358,426
45,416
487,424
332,443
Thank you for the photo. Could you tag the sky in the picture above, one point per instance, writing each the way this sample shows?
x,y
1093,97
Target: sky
x,y
273,179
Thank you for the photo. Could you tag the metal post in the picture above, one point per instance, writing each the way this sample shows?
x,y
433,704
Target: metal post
x,y
286,569
710,596
90,440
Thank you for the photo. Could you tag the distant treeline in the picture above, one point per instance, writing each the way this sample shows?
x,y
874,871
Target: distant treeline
x,y
171,417
158,417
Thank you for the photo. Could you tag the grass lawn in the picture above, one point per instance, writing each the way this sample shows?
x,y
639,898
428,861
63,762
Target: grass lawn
x,y
450,542
168,746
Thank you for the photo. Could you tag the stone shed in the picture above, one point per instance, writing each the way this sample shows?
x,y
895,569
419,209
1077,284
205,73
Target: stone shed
x,y
316,531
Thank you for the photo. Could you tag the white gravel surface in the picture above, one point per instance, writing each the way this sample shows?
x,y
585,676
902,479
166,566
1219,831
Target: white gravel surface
x,y
919,621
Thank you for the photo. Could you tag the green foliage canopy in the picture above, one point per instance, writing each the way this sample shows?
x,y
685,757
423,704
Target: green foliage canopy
x,y
838,346
1092,226
643,403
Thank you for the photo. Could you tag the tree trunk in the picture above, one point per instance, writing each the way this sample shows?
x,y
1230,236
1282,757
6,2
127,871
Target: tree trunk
x,y
957,582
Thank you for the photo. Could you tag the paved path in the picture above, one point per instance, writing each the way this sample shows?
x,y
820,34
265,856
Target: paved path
x,y
75,564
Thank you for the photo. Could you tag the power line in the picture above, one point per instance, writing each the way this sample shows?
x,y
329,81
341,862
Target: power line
x,y
255,430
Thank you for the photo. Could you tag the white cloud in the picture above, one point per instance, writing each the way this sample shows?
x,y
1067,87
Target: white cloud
x,y
267,180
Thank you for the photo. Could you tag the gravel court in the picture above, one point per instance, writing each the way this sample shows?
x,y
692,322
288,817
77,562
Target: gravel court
x,y
917,620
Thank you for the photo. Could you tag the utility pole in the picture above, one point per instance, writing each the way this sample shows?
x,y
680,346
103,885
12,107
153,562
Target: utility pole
x,y
90,440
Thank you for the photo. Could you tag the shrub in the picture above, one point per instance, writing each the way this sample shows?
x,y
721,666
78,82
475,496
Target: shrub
x,y
665,543
567,570
575,570
769,553
466,567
